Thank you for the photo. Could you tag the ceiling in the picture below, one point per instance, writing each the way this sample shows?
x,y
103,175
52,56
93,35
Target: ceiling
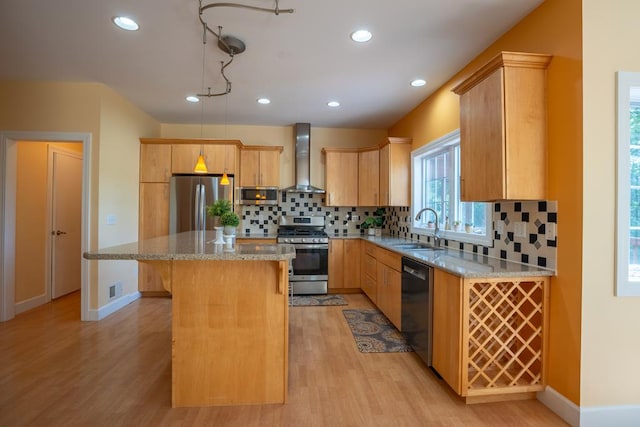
x,y
300,61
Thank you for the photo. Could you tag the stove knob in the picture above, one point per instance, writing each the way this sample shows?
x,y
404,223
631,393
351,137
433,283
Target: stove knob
x,y
316,240
285,240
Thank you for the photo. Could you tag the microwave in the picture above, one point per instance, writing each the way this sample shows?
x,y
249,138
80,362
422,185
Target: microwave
x,y
258,195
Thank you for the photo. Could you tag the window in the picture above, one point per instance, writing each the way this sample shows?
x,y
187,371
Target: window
x,y
628,186
436,185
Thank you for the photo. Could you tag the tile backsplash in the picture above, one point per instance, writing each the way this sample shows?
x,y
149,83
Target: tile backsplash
x,y
536,248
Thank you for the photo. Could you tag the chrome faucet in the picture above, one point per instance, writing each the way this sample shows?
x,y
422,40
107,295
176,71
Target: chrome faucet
x,y
436,232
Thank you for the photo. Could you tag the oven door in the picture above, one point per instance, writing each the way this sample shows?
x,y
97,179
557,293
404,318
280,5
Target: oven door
x,y
311,262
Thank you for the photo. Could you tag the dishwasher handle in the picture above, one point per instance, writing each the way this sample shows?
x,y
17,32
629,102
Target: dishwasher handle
x,y
422,275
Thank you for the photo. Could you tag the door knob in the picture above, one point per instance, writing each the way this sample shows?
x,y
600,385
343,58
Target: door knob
x,y
58,232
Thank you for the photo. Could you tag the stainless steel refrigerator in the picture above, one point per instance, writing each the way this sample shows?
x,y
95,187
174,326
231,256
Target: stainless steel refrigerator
x,y
189,197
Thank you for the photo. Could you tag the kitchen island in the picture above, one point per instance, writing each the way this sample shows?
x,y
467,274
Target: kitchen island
x,y
229,316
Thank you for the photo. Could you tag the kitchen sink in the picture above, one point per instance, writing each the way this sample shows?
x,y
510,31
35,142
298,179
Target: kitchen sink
x,y
416,246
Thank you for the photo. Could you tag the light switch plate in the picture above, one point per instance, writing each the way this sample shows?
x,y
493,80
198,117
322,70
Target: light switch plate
x,y
111,219
520,229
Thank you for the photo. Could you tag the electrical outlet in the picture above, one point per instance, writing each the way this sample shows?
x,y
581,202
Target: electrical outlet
x,y
260,218
550,231
111,219
500,227
520,229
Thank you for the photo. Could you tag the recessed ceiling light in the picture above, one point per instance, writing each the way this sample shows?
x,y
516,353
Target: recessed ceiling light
x,y
192,98
264,101
333,104
126,23
361,36
418,82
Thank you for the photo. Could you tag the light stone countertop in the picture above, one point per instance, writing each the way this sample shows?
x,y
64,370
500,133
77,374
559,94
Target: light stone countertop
x,y
192,246
456,262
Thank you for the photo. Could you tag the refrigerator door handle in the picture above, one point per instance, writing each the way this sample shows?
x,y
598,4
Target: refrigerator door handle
x,y
196,209
203,208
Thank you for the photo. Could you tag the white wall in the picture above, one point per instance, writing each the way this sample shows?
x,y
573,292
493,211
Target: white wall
x,y
610,325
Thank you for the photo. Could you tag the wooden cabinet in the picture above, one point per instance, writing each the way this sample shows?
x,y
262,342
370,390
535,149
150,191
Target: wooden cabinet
x,y
369,271
260,166
490,335
341,177
218,157
389,295
368,178
155,162
344,253
154,209
447,328
395,170
256,241
503,129
373,176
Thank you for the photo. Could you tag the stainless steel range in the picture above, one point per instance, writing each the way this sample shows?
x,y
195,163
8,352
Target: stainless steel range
x,y
309,270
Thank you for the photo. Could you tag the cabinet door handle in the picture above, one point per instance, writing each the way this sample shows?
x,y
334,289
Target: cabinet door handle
x,y
328,198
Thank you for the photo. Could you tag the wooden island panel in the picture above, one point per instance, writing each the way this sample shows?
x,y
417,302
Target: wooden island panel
x,y
230,332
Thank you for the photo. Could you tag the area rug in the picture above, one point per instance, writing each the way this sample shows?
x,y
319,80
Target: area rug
x,y
304,300
374,333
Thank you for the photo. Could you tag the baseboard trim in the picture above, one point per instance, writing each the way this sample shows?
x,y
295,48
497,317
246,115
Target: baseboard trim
x,y
597,416
619,416
34,302
563,407
110,308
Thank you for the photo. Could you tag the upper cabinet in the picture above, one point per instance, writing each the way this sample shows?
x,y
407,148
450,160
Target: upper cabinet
x,y
368,178
372,176
395,172
260,166
155,162
503,129
341,177
219,158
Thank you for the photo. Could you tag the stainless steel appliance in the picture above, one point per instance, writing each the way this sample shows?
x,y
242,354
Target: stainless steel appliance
x,y
189,196
258,195
303,161
417,307
309,272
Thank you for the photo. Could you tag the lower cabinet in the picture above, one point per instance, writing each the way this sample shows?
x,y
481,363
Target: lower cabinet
x,y
447,329
369,271
343,254
389,286
490,335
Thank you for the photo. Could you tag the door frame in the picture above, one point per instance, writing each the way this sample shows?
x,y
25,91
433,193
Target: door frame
x,y
8,175
51,150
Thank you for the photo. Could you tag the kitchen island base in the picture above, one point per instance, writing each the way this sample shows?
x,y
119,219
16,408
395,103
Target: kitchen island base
x,y
229,331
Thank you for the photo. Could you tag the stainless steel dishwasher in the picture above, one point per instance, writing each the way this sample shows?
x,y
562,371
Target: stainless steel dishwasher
x,y
417,307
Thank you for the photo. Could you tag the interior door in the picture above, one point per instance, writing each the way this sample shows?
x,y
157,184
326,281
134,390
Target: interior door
x,y
66,221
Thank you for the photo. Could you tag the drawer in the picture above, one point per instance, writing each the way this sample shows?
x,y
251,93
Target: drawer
x,y
369,264
389,258
370,249
370,287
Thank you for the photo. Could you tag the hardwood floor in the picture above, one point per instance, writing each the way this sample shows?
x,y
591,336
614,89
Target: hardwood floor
x,y
58,371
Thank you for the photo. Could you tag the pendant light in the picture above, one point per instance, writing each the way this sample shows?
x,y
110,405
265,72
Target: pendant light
x,y
225,178
201,166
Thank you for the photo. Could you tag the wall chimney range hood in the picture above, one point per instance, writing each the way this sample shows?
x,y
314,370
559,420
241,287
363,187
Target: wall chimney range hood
x,y
302,133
